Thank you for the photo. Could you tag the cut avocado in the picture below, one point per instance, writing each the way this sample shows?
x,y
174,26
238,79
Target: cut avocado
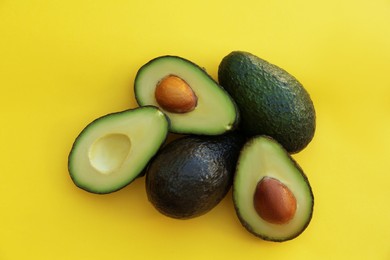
x,y
114,149
191,175
271,101
193,101
271,194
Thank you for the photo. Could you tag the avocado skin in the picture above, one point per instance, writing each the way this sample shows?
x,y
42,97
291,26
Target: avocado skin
x,y
191,175
271,101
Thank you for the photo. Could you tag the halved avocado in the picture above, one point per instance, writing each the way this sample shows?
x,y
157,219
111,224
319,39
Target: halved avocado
x,y
271,194
193,101
114,149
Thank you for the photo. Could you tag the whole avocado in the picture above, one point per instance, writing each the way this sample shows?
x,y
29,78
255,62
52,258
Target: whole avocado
x,y
271,101
191,175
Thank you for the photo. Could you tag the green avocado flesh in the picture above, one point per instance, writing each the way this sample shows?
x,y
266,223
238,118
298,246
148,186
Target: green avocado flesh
x,y
191,175
215,112
114,149
262,157
271,101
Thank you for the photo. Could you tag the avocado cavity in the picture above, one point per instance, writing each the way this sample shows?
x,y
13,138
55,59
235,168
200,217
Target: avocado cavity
x,y
109,152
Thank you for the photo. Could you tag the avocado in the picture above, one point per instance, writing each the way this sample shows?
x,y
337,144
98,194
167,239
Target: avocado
x,y
114,149
193,101
192,174
271,101
272,196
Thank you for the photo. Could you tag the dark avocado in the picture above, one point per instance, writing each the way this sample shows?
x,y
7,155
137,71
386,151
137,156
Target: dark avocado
x,y
272,196
191,175
194,102
271,101
114,149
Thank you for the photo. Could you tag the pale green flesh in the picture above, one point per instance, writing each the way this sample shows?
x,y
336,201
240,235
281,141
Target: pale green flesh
x,y
215,112
109,152
113,150
260,158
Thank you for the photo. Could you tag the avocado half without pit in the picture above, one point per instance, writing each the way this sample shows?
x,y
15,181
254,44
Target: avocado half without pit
x,y
113,150
271,194
193,101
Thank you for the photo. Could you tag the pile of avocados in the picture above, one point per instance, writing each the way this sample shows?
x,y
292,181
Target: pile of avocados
x,y
236,133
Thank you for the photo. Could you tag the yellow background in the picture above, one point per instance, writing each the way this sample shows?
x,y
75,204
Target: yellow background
x,y
65,63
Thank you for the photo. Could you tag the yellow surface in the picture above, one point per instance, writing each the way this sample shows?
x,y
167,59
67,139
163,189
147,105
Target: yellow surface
x,y
64,63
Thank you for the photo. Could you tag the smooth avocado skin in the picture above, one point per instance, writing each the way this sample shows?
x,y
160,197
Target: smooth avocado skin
x,y
271,101
115,149
191,175
215,112
263,157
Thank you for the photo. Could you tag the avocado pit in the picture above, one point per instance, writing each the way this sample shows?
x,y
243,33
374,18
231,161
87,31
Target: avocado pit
x,y
274,202
174,95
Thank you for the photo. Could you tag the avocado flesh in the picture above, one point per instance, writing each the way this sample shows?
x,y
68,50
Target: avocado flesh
x,y
215,112
271,101
114,149
263,157
191,175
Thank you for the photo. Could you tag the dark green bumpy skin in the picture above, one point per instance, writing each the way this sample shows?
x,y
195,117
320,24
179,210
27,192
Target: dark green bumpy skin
x,y
271,101
191,175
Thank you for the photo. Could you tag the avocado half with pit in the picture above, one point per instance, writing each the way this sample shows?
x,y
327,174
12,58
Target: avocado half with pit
x,y
271,194
113,150
193,101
